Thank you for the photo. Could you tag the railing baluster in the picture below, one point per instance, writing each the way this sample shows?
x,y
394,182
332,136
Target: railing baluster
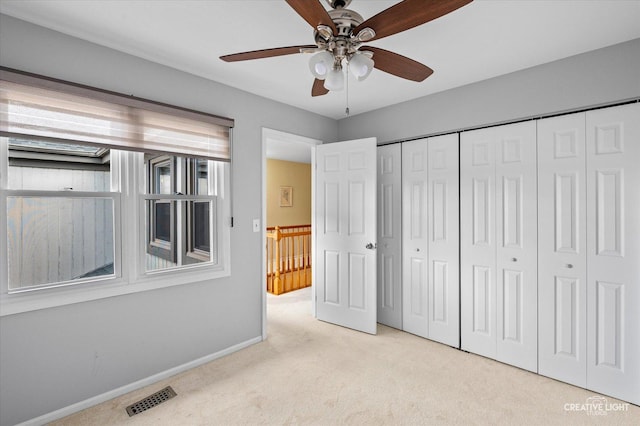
x,y
288,258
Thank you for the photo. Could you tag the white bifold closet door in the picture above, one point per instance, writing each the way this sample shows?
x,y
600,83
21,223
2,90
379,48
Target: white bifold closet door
x,y
589,252
430,247
415,241
562,249
390,235
613,251
498,205
444,240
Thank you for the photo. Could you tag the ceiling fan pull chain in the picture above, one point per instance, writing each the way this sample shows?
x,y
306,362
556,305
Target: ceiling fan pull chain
x,y
346,111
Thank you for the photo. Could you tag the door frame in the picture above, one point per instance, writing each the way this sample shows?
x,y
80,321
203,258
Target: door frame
x,y
280,136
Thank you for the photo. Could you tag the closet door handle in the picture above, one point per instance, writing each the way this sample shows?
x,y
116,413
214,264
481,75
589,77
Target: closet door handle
x,y
514,259
569,265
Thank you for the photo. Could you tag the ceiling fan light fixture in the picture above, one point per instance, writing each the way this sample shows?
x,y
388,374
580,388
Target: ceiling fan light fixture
x,y
334,80
320,64
361,66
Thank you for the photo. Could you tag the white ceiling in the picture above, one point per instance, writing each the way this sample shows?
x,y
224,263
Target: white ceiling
x,y
484,39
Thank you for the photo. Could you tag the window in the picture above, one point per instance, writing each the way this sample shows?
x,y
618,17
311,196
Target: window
x,y
104,194
200,179
60,214
180,206
162,215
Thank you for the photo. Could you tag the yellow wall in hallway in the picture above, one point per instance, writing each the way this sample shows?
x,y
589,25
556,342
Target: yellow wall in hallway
x,y
296,175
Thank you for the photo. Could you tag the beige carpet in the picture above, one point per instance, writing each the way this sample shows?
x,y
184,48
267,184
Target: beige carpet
x,y
310,372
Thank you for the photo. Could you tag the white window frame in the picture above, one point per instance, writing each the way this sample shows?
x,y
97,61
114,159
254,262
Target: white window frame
x,y
128,185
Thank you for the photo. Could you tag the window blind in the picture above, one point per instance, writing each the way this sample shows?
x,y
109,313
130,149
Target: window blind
x,y
35,107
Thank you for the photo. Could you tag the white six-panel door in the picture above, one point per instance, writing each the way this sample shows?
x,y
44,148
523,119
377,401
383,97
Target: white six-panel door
x,y
517,246
415,241
478,242
444,246
345,234
613,259
499,243
562,245
390,235
430,226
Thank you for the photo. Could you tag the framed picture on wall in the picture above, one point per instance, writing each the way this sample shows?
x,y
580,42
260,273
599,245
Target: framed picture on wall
x,y
286,196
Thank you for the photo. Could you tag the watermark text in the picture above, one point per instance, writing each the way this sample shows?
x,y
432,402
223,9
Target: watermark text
x,y
596,406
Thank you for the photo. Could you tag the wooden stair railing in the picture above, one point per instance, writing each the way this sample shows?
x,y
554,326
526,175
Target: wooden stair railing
x,y
288,258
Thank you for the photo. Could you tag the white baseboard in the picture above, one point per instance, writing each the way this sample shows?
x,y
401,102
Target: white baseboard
x,y
98,399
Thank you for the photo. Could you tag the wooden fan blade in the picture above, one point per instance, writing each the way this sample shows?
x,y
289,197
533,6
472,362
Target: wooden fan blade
x,y
398,65
408,14
313,12
318,88
265,53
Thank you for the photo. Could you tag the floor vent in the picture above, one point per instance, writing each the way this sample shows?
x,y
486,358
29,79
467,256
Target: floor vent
x,y
151,401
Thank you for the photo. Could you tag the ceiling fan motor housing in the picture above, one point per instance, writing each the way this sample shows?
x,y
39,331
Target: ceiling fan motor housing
x,y
346,20
344,44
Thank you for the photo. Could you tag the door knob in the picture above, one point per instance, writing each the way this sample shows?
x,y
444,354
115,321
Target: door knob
x,y
514,259
371,246
417,249
569,265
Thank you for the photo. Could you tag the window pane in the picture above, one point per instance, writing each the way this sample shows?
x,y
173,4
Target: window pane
x,y
161,235
202,177
201,226
163,178
162,221
56,239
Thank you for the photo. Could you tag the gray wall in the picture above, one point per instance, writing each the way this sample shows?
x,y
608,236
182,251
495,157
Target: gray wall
x,y
52,358
594,78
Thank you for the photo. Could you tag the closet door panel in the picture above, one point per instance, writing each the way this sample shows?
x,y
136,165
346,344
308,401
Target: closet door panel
x,y
613,259
562,296
477,242
389,250
499,243
444,249
516,251
415,208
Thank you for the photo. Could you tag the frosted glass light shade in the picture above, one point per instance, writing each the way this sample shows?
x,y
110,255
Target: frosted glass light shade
x,y
334,80
320,64
360,66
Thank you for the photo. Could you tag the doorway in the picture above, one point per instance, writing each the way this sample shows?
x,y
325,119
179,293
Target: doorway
x,y
282,146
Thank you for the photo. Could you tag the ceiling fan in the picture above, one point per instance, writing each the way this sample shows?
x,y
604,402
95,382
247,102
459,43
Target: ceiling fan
x,y
339,34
